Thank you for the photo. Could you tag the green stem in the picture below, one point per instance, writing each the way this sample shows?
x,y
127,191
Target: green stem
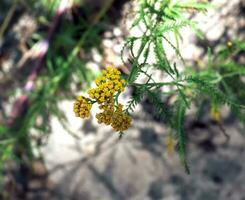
x,y
142,46
175,83
233,74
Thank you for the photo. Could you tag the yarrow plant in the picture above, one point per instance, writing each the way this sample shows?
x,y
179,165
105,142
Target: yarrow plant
x,y
160,20
219,82
109,86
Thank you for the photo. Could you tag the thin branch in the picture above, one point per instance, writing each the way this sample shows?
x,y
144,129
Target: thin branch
x,y
7,19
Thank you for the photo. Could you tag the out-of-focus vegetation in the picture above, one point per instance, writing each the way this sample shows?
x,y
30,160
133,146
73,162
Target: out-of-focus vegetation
x,y
64,68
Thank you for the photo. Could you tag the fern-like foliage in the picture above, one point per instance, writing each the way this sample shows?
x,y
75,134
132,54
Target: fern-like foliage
x,y
161,109
135,99
159,19
178,123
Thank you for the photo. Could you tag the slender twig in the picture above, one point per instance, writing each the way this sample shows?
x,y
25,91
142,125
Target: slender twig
x,y
160,83
7,19
223,131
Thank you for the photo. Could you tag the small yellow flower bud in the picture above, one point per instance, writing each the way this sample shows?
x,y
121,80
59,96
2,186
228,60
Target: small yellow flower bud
x,y
82,107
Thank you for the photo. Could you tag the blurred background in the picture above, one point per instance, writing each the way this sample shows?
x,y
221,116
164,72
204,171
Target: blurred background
x,y
50,52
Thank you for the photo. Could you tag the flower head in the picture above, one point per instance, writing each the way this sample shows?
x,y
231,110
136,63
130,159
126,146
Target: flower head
x,y
107,85
120,120
82,107
215,113
106,115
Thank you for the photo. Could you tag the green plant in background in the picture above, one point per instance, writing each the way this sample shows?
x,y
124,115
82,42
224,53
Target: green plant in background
x,y
63,67
226,72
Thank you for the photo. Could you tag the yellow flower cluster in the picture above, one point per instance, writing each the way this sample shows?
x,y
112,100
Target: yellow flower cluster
x,y
118,120
170,144
121,121
82,107
215,113
106,115
108,84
